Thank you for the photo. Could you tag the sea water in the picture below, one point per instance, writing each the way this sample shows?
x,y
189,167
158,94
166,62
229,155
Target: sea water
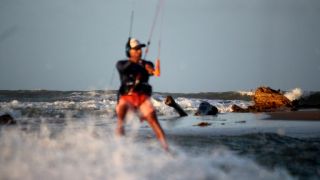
x,y
70,135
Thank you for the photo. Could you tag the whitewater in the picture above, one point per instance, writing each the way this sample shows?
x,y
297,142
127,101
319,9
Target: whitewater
x,y
70,135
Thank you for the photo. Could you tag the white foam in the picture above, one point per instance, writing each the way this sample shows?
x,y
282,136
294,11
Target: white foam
x,y
14,103
248,93
82,151
294,94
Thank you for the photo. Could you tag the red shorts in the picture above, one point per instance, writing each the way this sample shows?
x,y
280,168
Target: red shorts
x,y
136,101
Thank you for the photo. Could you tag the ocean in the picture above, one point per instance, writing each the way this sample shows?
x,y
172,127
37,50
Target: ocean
x,y
70,135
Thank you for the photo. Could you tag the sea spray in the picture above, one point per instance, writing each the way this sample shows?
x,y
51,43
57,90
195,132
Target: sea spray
x,y
294,94
246,93
82,150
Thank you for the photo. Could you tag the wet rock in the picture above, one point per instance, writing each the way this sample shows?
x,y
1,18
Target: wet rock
x,y
169,101
7,119
206,108
236,108
202,124
311,101
267,100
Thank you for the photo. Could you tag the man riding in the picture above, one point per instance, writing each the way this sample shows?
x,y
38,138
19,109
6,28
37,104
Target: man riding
x,y
135,91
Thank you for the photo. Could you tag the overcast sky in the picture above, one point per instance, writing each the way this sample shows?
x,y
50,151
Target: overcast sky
x,y
207,45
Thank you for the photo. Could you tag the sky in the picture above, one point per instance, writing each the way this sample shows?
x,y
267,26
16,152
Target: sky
x,y
206,45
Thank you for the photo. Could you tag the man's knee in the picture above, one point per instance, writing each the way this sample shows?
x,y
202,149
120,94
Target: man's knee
x,y
147,109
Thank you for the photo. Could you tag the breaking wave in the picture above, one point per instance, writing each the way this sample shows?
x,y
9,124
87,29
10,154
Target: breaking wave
x,y
85,151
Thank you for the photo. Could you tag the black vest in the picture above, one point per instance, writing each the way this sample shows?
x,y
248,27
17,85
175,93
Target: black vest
x,y
134,77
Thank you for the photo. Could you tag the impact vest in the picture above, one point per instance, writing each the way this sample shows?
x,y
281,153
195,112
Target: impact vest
x,y
134,77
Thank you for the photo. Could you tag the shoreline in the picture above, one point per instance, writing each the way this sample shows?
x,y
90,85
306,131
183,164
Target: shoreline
x,y
303,115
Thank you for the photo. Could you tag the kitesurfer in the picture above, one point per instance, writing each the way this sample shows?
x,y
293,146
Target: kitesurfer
x,y
135,90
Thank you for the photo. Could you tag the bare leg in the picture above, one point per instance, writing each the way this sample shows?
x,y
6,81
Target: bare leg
x,y
121,109
153,121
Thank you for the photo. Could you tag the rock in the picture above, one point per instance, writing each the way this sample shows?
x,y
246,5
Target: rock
x,y
236,108
170,102
267,100
206,108
202,124
312,101
7,119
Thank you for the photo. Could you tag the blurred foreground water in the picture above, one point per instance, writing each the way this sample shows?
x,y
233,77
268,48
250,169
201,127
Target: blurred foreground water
x,y
70,135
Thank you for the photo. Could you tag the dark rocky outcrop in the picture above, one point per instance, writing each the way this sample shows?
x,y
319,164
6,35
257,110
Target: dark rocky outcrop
x,y
7,119
311,101
206,108
169,101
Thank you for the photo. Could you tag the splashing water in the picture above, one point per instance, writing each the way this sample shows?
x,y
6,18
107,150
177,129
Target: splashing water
x,y
294,94
69,135
82,150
